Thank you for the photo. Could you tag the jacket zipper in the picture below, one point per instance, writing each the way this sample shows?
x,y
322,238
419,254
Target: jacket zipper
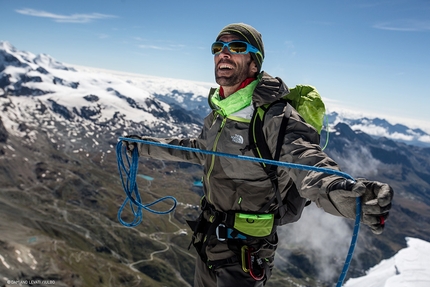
x,y
213,159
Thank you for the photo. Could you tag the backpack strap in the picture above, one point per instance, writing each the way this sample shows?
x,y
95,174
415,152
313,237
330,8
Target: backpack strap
x,y
258,145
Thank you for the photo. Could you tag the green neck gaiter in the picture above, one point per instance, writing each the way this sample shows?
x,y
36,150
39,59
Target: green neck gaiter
x,y
236,101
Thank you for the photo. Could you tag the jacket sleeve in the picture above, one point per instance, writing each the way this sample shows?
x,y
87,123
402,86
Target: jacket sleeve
x,y
173,154
301,146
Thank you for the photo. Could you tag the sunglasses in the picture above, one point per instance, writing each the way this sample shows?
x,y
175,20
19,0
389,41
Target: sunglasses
x,y
235,47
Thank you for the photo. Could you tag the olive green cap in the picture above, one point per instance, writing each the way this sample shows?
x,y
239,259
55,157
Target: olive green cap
x,y
248,34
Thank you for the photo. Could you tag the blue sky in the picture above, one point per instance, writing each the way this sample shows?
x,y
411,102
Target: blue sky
x,y
371,56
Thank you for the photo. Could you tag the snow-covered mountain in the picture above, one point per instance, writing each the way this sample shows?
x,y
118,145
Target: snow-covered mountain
x,y
38,89
408,268
382,128
92,97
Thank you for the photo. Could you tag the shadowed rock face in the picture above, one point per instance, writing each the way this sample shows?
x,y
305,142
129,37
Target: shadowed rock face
x,y
3,132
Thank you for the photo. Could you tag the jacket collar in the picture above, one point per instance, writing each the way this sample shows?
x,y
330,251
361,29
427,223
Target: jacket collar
x,y
269,89
264,90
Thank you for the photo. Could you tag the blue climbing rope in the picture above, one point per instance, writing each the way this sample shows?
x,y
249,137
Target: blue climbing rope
x,y
131,190
130,186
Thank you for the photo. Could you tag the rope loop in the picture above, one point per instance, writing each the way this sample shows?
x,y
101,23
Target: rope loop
x,y
128,171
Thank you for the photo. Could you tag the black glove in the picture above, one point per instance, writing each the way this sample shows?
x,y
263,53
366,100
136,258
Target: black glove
x,y
376,200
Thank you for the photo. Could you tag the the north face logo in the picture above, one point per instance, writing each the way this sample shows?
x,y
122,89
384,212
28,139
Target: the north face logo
x,y
237,139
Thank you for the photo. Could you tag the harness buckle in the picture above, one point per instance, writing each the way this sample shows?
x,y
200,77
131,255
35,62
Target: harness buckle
x,y
221,232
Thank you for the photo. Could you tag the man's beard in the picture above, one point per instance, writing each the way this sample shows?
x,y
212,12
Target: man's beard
x,y
241,73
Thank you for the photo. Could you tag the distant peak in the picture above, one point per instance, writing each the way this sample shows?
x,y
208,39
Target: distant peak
x,y
48,61
19,58
8,47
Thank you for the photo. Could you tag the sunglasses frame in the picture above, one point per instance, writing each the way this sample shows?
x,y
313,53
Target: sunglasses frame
x,y
249,47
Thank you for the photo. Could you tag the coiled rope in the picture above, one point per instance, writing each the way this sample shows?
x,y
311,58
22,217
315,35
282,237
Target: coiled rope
x,y
131,190
134,199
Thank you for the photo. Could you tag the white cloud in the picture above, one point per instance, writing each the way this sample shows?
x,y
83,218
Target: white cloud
x,y
154,47
404,25
358,161
163,47
425,138
73,18
372,130
325,237
103,36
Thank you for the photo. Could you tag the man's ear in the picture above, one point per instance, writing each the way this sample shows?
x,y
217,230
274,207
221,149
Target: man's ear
x,y
253,68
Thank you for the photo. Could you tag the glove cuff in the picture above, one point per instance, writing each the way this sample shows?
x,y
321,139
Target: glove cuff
x,y
345,184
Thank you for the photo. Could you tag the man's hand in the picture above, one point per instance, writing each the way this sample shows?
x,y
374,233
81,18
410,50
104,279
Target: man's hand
x,y
376,200
130,145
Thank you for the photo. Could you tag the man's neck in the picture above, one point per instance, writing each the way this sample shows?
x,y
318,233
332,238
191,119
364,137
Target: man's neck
x,y
229,90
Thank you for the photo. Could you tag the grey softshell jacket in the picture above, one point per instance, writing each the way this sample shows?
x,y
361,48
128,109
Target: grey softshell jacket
x,y
239,185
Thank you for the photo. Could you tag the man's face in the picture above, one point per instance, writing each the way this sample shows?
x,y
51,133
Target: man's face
x,y
232,69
